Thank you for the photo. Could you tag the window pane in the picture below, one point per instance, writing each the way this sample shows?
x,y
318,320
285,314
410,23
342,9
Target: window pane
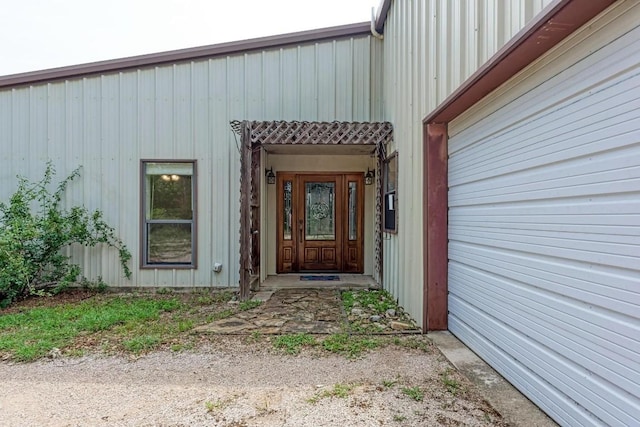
x,y
319,210
169,244
353,211
287,210
391,174
169,195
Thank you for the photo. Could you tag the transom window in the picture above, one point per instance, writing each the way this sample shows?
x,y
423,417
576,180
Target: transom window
x,y
168,204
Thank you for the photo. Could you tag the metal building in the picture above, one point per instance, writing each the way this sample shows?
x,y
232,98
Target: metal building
x,y
478,159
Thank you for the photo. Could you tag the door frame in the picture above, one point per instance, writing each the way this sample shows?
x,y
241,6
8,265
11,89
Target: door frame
x,y
289,252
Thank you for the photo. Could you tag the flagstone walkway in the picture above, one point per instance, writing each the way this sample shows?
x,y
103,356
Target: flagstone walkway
x,y
313,311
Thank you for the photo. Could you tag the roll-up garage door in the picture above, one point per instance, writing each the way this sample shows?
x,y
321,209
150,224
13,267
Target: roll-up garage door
x,y
544,226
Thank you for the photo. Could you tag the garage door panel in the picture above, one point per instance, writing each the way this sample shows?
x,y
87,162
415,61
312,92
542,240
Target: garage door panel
x,y
615,244
571,120
556,404
605,205
614,407
612,167
539,323
508,223
544,227
578,317
614,289
543,150
570,250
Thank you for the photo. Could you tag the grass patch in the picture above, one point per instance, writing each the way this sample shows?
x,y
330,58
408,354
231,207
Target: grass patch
x,y
452,385
349,346
388,383
414,393
133,323
339,390
371,311
414,342
143,343
293,343
377,300
249,304
32,333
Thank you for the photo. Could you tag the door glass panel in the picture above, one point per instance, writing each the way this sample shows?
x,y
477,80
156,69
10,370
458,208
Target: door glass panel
x,y
287,210
353,211
320,211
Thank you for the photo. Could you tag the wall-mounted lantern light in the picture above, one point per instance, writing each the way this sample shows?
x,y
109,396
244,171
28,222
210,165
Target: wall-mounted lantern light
x,y
271,177
368,178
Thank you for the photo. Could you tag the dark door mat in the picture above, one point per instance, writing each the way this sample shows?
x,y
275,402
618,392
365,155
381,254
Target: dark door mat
x,y
313,277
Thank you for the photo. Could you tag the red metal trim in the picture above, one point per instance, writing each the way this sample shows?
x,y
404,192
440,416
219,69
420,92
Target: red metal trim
x,y
435,210
189,54
554,24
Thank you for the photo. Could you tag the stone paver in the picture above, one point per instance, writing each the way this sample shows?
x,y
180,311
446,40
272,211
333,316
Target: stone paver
x,y
313,311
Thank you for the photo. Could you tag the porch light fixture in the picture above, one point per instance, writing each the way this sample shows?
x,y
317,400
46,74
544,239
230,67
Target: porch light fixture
x,y
368,178
271,177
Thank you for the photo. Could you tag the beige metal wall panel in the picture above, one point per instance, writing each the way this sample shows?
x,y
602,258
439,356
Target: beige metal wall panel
x,y
544,225
108,123
430,48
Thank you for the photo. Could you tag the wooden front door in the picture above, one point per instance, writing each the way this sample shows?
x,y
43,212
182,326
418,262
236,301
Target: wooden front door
x,y
320,222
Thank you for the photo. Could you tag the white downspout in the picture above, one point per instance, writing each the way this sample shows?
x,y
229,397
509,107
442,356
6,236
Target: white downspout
x,y
373,25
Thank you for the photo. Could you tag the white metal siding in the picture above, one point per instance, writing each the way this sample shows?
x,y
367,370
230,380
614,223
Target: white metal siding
x,y
430,48
544,226
108,123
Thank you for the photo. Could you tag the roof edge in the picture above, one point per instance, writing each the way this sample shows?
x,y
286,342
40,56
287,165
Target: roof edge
x,y
381,16
552,25
187,54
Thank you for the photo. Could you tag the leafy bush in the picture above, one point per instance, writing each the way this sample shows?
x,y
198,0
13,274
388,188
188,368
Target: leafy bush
x,y
35,228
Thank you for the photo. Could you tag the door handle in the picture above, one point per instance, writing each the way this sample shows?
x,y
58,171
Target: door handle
x,y
300,229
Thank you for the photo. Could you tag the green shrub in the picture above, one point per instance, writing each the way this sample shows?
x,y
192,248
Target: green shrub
x,y
35,228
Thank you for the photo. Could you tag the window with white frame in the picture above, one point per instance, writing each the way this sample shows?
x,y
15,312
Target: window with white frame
x,y
168,213
390,183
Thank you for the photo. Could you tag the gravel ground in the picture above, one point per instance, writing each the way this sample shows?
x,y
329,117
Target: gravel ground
x,y
234,383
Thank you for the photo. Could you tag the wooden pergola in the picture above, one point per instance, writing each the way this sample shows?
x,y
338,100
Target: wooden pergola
x,y
254,135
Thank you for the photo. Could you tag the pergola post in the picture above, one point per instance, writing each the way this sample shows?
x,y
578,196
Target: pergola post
x,y
245,210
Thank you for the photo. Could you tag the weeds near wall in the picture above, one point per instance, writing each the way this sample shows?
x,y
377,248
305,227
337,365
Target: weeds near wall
x,y
34,230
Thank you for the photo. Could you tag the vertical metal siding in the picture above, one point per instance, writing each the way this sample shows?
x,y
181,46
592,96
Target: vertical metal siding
x,y
544,226
430,47
108,123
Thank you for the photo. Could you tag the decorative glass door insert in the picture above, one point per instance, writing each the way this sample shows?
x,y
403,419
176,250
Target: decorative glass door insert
x,y
320,211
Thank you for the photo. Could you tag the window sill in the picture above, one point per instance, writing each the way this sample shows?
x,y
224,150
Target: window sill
x,y
168,267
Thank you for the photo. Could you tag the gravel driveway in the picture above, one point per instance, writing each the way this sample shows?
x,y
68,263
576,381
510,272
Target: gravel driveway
x,y
235,383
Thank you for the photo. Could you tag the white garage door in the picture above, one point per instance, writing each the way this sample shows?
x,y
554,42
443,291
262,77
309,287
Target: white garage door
x,y
544,226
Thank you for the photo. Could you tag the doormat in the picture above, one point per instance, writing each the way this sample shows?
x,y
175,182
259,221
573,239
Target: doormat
x,y
319,278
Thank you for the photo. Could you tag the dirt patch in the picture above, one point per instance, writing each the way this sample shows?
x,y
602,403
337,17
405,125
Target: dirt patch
x,y
233,382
